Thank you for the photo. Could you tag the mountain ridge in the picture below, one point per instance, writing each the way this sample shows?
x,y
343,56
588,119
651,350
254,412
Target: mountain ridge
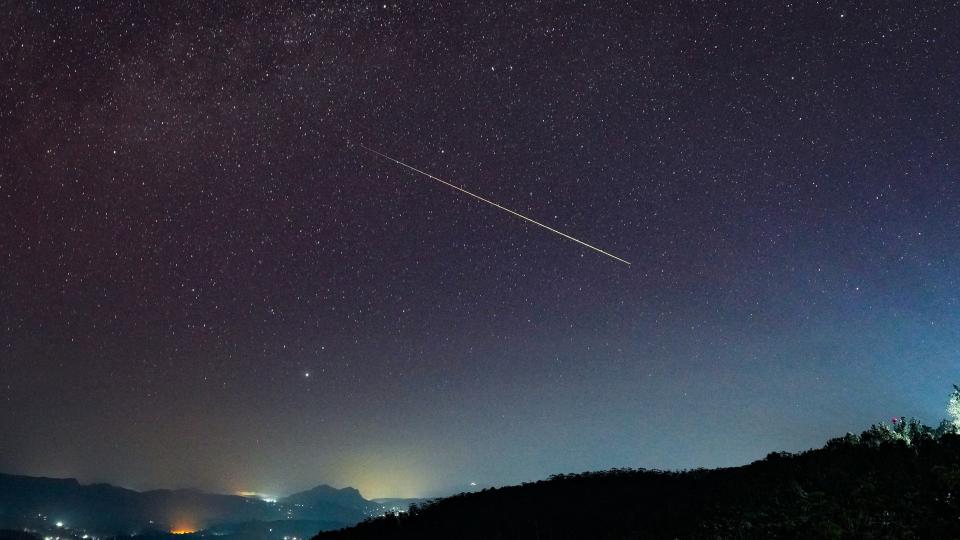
x,y
39,502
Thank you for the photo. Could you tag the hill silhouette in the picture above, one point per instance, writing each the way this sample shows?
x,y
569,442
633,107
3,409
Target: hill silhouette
x,y
101,509
892,481
345,504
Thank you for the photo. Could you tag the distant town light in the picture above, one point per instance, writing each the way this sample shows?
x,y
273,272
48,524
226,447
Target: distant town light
x,y
60,524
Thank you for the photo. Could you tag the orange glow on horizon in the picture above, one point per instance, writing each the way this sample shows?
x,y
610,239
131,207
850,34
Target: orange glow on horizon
x,y
183,526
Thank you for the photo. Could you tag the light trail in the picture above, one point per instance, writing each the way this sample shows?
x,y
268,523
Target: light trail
x,y
488,201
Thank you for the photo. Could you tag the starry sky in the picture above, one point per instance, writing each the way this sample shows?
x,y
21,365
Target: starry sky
x,y
205,282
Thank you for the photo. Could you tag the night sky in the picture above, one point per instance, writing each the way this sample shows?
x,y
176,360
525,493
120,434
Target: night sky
x,y
205,281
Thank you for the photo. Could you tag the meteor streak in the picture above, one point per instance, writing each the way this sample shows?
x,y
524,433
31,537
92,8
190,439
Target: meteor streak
x,y
488,201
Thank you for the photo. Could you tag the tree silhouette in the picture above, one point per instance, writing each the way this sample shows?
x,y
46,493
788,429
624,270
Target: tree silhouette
x,y
897,479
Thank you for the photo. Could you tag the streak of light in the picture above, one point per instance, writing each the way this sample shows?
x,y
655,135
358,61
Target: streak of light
x,y
501,207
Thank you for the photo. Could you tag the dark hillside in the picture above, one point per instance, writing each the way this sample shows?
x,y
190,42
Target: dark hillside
x,y
887,483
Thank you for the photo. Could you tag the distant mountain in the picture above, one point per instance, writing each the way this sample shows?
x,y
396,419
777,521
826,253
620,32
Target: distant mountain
x,y
885,483
344,504
102,509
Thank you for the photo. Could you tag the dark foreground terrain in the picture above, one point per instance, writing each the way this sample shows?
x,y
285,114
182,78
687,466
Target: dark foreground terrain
x,y
897,481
